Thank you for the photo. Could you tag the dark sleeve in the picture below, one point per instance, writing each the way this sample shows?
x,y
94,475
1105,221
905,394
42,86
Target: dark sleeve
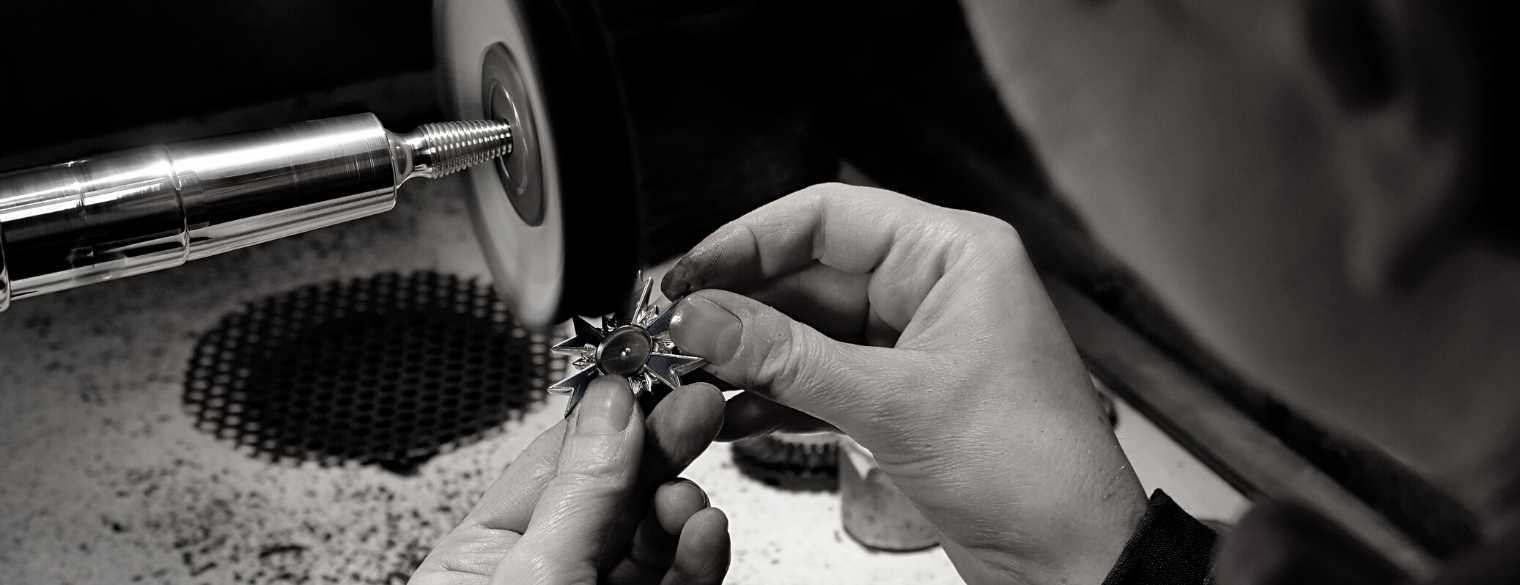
x,y
1168,548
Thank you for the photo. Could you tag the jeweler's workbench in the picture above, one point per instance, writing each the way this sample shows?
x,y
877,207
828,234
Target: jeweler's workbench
x,y
104,477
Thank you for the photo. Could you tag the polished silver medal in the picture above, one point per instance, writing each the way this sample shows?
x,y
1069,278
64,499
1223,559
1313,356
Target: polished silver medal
x,y
634,343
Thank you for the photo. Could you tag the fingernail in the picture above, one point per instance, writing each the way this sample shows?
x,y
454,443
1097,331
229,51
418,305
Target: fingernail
x,y
703,328
677,282
606,409
706,501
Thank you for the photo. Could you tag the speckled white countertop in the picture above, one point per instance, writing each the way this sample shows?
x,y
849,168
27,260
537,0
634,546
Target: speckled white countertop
x,y
103,478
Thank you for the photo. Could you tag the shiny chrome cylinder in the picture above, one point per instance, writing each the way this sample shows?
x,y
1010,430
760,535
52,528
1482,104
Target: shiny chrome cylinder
x,y
152,208
252,188
91,220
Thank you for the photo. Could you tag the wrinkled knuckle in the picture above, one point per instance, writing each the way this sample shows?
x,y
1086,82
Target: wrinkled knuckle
x,y
989,238
778,363
827,188
994,232
851,196
786,359
805,357
814,195
887,199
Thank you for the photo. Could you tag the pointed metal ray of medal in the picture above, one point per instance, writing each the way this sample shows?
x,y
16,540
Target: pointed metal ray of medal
x,y
638,306
661,322
576,381
669,367
575,385
575,398
586,335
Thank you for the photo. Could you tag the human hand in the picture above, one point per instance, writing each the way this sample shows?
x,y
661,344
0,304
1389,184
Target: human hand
x,y
594,499
925,334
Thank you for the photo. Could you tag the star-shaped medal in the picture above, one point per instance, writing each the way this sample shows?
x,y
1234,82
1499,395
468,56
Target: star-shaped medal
x,y
634,343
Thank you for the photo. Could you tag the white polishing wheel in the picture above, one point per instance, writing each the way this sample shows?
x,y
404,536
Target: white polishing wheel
x,y
523,240
558,218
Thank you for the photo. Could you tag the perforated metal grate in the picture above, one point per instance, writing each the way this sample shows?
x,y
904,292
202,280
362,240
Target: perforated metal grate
x,y
388,370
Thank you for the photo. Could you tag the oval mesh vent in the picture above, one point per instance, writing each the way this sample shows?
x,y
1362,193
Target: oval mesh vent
x,y
387,370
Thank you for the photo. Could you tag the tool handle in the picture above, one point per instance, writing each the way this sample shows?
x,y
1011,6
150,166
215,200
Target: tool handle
x,y
152,208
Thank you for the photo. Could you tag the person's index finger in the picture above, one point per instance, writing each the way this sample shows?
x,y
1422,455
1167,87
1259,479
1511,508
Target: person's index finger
x,y
848,228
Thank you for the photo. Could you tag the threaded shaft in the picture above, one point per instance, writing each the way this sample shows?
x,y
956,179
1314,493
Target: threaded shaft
x,y
446,148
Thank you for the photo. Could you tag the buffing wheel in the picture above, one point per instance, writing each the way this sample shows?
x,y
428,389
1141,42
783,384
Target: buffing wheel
x,y
558,219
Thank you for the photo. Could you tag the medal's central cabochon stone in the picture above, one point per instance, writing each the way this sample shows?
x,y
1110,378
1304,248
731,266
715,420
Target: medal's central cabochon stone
x,y
624,351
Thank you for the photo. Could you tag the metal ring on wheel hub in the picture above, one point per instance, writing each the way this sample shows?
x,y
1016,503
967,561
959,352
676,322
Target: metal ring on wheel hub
x,y
521,173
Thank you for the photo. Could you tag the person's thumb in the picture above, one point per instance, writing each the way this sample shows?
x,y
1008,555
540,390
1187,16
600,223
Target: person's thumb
x,y
578,508
761,349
